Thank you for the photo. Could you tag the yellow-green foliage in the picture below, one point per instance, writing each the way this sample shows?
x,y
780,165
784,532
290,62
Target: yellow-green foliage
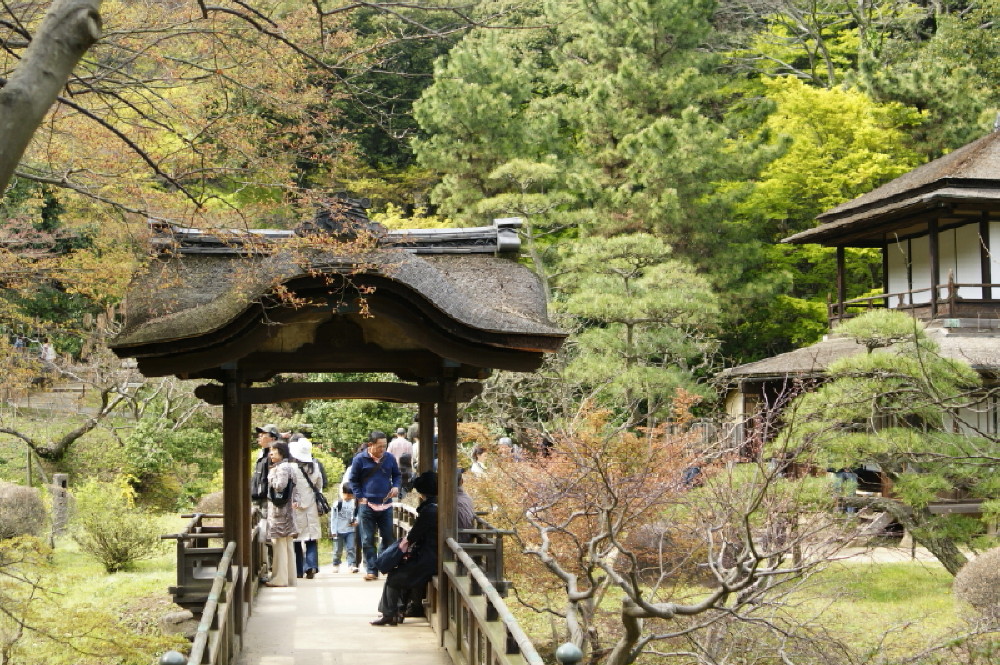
x,y
395,217
110,528
56,612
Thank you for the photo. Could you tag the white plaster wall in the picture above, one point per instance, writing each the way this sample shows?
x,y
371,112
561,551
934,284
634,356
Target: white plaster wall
x,y
920,257
960,255
897,257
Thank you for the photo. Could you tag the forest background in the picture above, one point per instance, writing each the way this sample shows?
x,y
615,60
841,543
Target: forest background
x,y
657,151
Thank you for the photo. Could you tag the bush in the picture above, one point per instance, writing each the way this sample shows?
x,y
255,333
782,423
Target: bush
x,y
978,583
22,511
210,503
111,529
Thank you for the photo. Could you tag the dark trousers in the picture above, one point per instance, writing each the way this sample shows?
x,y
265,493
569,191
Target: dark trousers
x,y
307,560
374,522
394,600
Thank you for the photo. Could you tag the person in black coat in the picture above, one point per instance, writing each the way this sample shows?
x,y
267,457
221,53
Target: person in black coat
x,y
420,563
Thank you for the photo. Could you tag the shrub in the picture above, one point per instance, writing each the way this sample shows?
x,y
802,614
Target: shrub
x,y
22,511
978,583
210,503
111,529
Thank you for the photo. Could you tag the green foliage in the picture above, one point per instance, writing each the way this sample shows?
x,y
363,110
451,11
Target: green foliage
x,y
109,527
640,342
894,405
841,144
881,328
171,468
345,424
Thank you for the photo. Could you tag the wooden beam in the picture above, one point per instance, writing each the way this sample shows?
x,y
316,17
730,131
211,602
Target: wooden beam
x,y
935,267
447,488
986,268
404,393
841,284
236,490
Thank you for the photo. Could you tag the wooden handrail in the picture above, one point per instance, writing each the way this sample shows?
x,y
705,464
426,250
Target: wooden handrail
x,y
208,615
483,605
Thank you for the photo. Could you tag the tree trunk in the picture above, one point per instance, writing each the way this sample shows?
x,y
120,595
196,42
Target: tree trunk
x,y
622,653
69,28
916,522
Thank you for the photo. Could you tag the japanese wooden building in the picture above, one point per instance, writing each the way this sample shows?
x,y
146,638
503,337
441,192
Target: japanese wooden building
x,y
438,308
938,229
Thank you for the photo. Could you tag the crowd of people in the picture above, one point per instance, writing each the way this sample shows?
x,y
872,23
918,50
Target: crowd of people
x,y
287,483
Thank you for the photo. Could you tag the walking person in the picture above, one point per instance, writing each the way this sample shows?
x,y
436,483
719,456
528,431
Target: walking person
x,y
343,526
375,481
308,476
420,562
402,449
283,493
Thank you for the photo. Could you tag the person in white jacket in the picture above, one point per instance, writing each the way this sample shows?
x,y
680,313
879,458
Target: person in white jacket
x,y
306,513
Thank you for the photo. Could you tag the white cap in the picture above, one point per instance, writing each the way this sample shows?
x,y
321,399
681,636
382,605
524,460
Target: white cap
x,y
301,449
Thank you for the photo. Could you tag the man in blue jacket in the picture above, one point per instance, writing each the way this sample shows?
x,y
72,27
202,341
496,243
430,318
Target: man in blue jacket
x,y
375,479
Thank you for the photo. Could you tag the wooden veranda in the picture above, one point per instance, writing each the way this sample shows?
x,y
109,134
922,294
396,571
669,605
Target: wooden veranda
x,y
439,309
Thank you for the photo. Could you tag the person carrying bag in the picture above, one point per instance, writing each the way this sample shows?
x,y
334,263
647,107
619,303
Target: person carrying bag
x,y
416,553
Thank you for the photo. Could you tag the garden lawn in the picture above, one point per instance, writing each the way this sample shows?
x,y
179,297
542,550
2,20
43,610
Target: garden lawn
x,y
898,609
109,619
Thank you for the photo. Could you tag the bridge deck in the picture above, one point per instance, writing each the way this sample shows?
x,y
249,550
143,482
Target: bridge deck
x,y
324,621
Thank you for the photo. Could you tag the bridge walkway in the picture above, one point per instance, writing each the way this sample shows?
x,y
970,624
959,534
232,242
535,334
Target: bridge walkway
x,y
324,621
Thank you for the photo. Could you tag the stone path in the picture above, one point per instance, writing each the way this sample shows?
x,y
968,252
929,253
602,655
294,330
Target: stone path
x,y
324,621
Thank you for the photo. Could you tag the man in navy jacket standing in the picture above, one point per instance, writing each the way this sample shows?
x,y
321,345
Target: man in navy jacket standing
x,y
375,478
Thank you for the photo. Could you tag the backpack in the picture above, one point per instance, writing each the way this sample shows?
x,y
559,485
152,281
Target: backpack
x,y
280,497
258,483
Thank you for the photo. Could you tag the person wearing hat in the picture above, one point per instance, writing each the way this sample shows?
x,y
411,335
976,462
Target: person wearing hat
x,y
420,544
306,513
266,435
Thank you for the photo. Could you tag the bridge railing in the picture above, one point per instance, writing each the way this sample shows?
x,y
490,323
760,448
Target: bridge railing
x,y
215,642
483,542
197,559
477,628
198,556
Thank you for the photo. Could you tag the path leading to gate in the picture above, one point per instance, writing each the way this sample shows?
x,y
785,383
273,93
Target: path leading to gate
x,y
324,621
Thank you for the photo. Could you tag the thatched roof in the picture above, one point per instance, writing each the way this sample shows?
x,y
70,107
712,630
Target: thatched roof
x,y
970,174
979,348
449,289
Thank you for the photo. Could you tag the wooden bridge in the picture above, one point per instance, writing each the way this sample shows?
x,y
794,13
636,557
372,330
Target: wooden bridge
x,y
325,620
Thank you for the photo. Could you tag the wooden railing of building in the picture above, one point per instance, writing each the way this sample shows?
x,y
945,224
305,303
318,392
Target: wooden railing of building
x,y
942,300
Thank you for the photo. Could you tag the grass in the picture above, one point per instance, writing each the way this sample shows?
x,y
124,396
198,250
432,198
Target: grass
x,y
910,601
890,609
124,609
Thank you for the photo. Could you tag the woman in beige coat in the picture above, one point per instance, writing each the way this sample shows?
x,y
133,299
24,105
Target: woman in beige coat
x,y
306,513
281,526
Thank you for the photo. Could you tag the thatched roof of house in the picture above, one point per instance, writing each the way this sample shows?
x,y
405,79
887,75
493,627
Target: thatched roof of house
x,y
967,175
979,348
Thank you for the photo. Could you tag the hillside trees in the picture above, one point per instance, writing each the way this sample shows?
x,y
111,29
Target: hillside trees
x,y
188,108
642,341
